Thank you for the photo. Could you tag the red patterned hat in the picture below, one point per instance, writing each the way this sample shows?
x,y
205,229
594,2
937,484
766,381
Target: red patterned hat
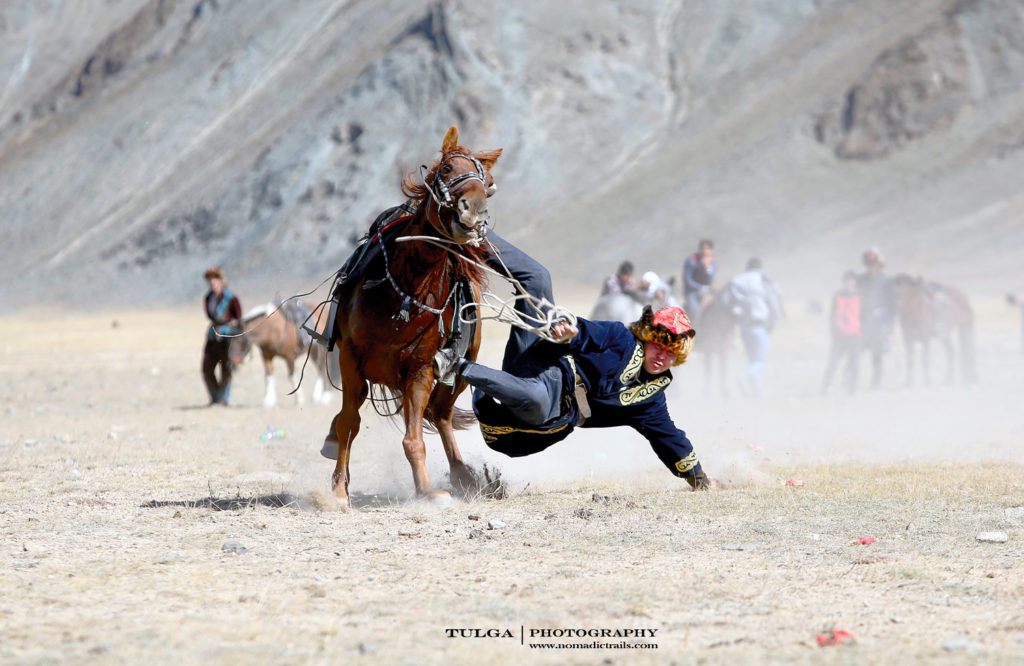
x,y
672,319
669,327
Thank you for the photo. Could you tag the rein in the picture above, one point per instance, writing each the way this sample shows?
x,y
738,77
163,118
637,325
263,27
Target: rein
x,y
546,313
407,300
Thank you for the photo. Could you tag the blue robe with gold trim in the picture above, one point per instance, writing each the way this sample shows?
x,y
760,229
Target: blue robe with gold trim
x,y
609,359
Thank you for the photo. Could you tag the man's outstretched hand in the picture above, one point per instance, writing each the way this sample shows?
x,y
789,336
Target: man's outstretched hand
x,y
702,482
563,331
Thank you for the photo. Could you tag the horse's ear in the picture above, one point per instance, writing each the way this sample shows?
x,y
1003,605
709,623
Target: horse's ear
x,y
451,140
489,159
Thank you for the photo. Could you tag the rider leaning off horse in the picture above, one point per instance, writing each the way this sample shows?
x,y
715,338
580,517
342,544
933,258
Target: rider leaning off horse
x,y
224,312
600,375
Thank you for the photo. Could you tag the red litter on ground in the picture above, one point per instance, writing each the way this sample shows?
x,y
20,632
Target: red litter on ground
x,y
794,482
835,638
866,540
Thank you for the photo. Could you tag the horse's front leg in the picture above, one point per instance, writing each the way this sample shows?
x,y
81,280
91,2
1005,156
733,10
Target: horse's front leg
x,y
414,402
291,380
442,406
346,423
270,393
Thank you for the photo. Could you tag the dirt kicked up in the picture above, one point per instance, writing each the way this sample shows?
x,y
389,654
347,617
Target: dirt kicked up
x,y
140,526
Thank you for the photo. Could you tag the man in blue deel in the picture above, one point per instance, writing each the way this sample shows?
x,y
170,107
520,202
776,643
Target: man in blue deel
x,y
602,374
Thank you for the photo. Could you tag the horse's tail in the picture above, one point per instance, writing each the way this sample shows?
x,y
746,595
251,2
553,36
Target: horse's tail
x,y
462,419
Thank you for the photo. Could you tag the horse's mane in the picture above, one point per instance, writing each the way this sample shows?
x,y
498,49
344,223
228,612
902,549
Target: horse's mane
x,y
414,189
258,311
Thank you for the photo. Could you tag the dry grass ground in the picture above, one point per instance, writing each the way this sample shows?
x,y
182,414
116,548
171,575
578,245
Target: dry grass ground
x,y
122,497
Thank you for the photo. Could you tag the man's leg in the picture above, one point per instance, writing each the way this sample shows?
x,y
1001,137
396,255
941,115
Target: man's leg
x,y
209,369
224,360
852,364
835,353
534,278
532,400
756,339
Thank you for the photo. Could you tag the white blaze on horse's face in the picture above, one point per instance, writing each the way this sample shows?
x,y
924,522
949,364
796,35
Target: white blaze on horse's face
x,y
470,205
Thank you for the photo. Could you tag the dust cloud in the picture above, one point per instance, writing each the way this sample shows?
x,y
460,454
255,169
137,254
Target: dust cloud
x,y
740,440
743,441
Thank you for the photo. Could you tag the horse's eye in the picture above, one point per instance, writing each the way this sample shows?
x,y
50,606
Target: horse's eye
x,y
446,169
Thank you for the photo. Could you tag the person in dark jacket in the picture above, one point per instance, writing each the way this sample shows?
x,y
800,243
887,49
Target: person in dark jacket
x,y
698,276
225,313
602,374
878,310
844,325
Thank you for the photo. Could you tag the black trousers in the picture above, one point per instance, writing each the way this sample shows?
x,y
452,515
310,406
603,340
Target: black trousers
x,y
216,353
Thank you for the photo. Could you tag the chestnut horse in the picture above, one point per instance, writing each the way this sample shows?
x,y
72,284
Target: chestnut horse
x,y
394,317
277,336
930,310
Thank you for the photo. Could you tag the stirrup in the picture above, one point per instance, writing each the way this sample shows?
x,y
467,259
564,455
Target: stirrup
x,y
327,338
318,338
447,364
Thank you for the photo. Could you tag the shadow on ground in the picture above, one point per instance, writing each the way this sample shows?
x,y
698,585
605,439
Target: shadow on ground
x,y
274,501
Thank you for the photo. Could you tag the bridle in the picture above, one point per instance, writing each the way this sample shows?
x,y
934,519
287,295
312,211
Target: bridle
x,y
441,190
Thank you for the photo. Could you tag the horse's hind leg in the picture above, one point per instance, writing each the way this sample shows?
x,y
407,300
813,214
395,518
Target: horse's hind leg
x,y
318,357
442,408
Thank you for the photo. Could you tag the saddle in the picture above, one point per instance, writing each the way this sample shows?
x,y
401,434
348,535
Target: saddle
x,y
384,225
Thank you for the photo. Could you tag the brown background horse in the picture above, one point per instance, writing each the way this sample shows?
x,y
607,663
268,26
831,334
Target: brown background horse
x,y
930,310
277,336
378,346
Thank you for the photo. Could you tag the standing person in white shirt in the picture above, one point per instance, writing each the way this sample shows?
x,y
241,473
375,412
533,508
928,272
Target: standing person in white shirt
x,y
757,305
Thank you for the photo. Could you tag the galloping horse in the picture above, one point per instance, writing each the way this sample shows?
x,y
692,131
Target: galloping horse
x,y
277,336
393,319
927,310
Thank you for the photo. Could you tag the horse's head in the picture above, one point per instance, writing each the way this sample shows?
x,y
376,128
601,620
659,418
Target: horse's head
x,y
459,185
239,347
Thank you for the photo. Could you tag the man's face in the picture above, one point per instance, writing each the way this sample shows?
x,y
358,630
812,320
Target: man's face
x,y
657,359
707,255
216,285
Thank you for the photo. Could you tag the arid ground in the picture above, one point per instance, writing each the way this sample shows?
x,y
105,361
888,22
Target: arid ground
x,y
141,527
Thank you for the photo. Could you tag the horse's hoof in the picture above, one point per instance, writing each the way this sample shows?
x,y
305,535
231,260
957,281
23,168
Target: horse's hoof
x,y
438,499
330,449
324,501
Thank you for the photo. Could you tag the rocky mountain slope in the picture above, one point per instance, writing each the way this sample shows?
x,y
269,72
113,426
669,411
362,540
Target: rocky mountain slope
x,y
141,140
